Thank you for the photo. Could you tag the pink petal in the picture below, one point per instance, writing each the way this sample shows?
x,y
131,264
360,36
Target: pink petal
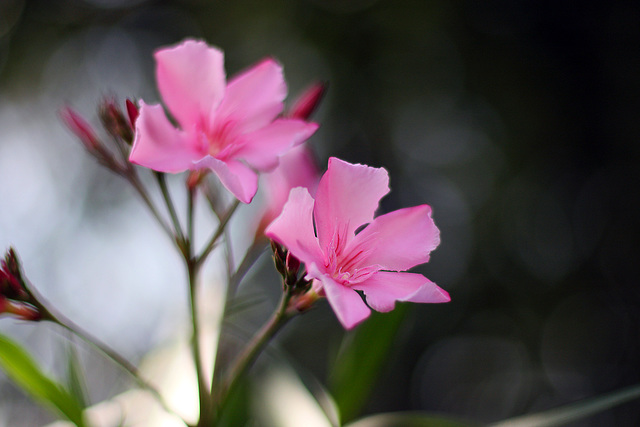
x,y
160,146
263,147
254,97
297,168
347,198
238,178
398,240
345,302
294,227
384,288
191,80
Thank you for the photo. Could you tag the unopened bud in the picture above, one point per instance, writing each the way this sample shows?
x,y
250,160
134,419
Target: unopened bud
x,y
15,299
114,121
133,112
80,128
21,310
195,178
292,263
279,256
308,102
305,301
11,277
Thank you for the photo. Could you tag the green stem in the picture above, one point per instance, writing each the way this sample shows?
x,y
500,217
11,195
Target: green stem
x,y
133,179
162,183
214,239
127,366
253,349
190,205
203,390
250,257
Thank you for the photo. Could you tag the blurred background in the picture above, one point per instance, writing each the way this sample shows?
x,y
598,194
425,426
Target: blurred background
x,y
517,121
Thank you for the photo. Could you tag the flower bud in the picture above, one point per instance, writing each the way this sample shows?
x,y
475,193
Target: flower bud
x,y
80,128
20,310
304,301
15,298
292,263
114,121
133,112
279,256
194,178
308,102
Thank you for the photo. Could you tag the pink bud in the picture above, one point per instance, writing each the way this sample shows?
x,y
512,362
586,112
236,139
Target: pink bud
x,y
21,310
80,128
133,112
307,103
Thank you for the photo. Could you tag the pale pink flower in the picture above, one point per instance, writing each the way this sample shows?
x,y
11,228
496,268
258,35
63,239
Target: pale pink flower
x,y
322,234
232,129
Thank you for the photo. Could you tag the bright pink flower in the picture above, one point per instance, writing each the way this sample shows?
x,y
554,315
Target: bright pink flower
x,y
341,262
232,129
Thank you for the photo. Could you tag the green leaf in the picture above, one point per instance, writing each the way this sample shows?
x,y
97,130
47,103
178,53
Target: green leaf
x,y
408,419
25,372
360,360
575,411
237,410
76,381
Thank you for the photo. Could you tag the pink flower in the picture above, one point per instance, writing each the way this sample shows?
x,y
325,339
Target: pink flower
x,y
341,262
297,169
232,129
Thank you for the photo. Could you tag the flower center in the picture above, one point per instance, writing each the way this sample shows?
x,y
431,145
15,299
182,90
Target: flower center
x,y
345,265
218,137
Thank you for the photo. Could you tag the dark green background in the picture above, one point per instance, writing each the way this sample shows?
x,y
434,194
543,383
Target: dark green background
x,y
517,121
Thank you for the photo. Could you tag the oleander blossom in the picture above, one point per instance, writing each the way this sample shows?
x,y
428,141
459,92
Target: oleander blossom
x,y
297,168
232,129
322,234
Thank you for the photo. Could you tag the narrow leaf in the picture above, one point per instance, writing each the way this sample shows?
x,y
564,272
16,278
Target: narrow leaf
x,y
24,371
76,382
575,411
360,360
408,419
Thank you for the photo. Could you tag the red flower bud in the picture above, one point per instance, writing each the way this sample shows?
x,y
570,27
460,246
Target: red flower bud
x,y
21,310
292,263
115,122
307,103
133,112
80,128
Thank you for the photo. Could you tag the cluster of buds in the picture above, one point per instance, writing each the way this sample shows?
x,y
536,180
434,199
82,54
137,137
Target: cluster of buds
x,y
15,297
289,268
119,126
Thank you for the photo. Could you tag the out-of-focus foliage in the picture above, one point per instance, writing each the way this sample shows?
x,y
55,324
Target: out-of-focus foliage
x,y
22,369
361,357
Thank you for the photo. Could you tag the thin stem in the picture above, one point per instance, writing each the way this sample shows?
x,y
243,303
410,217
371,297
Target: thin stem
x,y
214,239
162,183
250,257
190,205
253,349
203,390
104,349
132,177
